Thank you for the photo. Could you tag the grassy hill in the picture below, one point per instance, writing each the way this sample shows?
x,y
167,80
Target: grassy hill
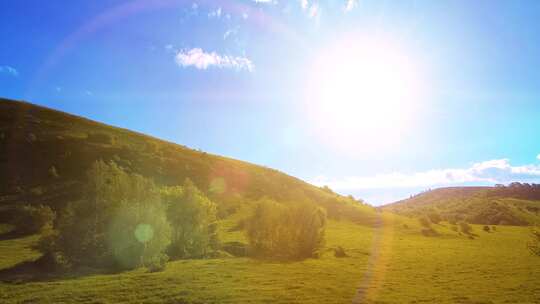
x,y
44,155
43,158
516,204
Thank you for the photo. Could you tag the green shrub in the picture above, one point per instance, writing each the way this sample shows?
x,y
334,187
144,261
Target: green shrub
x,y
286,231
339,252
193,220
31,219
158,263
120,222
465,227
486,228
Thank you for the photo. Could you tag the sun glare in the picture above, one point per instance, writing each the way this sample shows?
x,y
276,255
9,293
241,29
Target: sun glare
x,y
364,87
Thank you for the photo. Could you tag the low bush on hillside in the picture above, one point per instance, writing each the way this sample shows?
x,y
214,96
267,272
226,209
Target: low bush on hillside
x,y
125,221
465,227
339,252
30,219
193,220
282,231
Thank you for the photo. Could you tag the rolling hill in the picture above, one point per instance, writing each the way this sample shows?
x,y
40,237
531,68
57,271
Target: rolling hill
x,y
45,153
43,158
515,204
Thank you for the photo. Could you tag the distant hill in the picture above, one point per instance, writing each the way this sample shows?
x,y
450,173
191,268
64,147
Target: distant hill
x,y
515,204
45,153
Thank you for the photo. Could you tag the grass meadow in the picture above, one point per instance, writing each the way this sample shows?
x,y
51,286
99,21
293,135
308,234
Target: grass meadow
x,y
391,263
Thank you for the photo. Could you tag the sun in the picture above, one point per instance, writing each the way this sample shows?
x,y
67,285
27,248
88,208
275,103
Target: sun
x,y
363,86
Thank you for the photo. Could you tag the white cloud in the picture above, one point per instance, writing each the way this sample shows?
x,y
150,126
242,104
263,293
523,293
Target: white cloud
x,y
202,60
492,171
313,10
265,1
230,32
215,13
304,4
244,16
169,47
350,5
538,156
6,69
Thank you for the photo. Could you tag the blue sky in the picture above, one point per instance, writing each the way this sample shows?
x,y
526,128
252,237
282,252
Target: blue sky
x,y
244,79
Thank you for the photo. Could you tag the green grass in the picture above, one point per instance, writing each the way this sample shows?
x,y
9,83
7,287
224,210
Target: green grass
x,y
391,264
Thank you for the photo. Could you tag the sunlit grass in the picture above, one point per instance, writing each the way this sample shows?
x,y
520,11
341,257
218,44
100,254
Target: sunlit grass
x,y
405,267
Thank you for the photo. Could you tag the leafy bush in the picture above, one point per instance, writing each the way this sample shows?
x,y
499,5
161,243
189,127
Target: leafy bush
x,y
31,219
486,228
286,231
465,227
339,252
193,221
120,222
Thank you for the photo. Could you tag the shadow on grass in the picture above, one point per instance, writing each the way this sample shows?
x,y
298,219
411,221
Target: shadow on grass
x,y
13,234
41,271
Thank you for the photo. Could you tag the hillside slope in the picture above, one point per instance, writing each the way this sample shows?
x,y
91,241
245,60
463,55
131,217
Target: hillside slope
x,y
516,204
44,155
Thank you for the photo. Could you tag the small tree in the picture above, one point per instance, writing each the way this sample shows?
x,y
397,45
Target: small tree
x,y
193,221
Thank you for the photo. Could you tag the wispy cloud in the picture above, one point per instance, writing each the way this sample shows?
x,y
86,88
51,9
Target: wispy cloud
x,y
6,69
492,171
265,1
202,60
312,9
350,5
304,4
230,32
169,47
215,13
538,157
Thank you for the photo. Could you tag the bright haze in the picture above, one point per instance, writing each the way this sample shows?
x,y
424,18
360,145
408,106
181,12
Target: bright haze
x,y
378,99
